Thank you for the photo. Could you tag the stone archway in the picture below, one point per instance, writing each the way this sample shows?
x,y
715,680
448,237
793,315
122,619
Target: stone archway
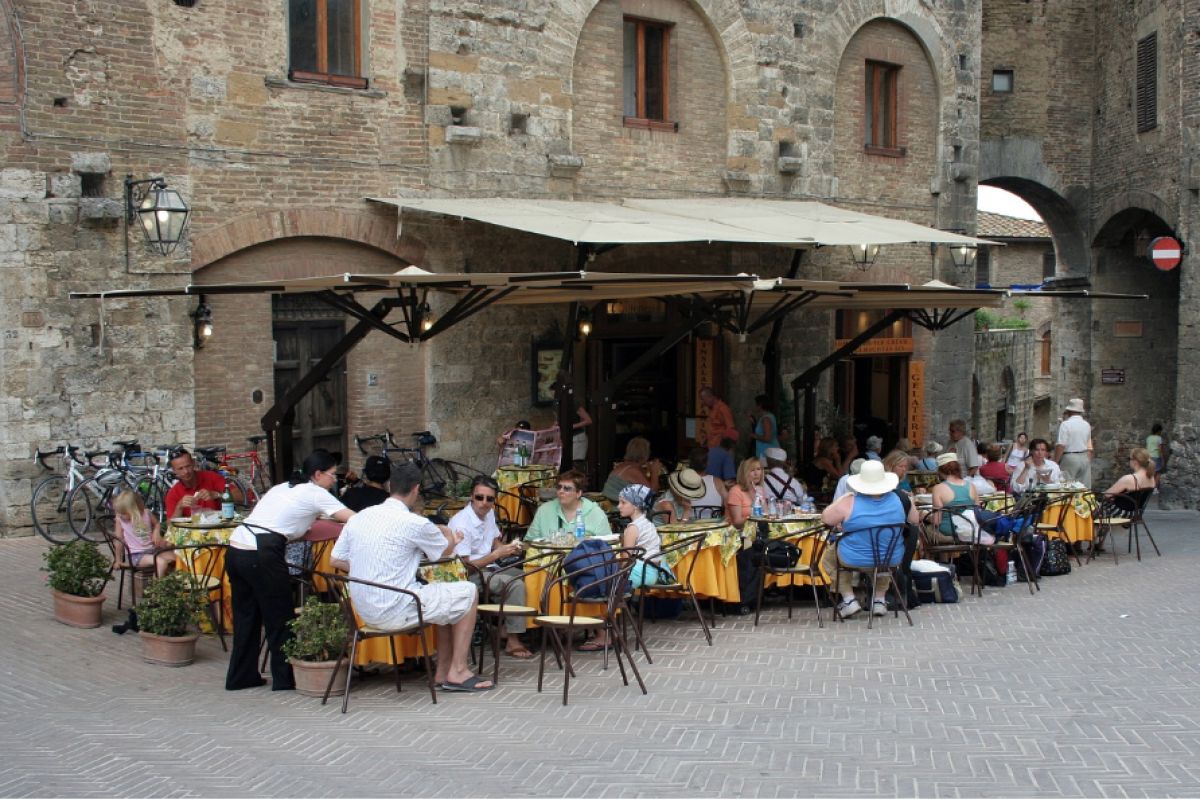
x,y
1140,339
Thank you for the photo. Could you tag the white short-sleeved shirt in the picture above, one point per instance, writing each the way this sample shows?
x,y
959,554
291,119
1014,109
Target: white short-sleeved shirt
x,y
290,510
712,497
968,454
478,534
1073,434
385,544
1016,455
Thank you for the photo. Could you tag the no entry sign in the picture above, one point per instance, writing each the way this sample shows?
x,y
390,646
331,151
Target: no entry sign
x,y
1166,252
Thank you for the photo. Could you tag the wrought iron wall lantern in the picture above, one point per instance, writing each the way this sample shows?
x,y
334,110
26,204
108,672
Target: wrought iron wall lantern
x,y
585,322
962,254
864,255
159,210
202,324
425,313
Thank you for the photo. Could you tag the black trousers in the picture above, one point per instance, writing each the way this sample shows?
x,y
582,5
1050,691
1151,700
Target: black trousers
x,y
262,598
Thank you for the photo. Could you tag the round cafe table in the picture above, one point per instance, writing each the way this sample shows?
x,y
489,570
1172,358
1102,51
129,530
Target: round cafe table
x,y
798,526
1072,506
527,479
182,531
715,572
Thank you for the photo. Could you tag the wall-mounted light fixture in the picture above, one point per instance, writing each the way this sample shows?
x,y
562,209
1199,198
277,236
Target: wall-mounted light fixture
x,y
427,318
202,324
864,255
585,322
158,209
963,254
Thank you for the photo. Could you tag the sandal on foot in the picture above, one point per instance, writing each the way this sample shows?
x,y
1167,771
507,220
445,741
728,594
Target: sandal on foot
x,y
521,652
589,647
471,684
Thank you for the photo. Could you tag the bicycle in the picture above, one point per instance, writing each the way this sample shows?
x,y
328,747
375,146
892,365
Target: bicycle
x,y
48,503
214,459
257,481
89,505
436,473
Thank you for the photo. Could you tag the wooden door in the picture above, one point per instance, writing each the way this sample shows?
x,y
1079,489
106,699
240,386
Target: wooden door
x,y
299,344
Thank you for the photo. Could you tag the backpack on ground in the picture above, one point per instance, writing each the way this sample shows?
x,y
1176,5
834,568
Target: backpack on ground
x,y
1058,559
1034,545
934,582
593,560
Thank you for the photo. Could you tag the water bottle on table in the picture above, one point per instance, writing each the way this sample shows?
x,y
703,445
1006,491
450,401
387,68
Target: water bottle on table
x,y
580,530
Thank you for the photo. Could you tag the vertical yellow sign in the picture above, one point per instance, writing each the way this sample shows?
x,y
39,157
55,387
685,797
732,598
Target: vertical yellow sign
x,y
916,403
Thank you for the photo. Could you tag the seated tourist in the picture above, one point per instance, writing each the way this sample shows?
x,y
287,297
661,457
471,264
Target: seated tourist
x,y
482,546
994,469
874,445
713,501
928,463
896,462
684,487
635,501
559,514
1036,469
954,492
195,489
779,482
739,503
385,544
1141,473
373,490
872,502
637,467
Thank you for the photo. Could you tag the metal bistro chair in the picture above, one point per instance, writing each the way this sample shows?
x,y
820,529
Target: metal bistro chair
x,y
886,544
1142,499
494,606
1057,507
340,585
931,523
561,628
708,512
810,569
1125,511
120,563
680,587
206,565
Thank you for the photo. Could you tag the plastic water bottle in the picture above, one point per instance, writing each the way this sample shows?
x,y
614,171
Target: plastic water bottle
x,y
772,508
1012,572
580,530
756,509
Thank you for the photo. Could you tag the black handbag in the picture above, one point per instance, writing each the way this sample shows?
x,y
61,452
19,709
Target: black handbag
x,y
782,554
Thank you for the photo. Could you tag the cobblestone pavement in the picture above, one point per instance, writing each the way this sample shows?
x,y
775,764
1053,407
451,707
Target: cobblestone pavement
x,y
1088,688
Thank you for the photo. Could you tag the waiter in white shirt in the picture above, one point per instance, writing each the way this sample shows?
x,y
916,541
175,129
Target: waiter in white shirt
x,y
1071,449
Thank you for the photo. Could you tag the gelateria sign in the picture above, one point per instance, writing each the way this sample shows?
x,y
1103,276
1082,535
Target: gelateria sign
x,y
881,346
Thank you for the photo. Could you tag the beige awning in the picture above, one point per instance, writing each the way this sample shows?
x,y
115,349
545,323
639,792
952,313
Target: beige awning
x,y
788,223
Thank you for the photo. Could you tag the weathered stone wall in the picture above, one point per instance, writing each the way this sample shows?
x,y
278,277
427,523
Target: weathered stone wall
x,y
1004,360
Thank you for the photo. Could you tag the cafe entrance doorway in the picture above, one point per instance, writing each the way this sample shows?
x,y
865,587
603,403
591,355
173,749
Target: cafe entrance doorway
x,y
871,387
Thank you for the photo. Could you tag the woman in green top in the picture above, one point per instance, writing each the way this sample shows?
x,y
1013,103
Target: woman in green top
x,y
1156,445
559,514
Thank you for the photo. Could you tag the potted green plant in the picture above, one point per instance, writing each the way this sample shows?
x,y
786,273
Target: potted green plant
x,y
167,619
319,636
77,575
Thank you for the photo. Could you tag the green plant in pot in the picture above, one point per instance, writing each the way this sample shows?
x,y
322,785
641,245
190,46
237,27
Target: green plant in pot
x,y
167,618
319,636
78,572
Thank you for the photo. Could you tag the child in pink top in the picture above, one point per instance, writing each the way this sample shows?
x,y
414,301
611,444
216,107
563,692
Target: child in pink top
x,y
139,534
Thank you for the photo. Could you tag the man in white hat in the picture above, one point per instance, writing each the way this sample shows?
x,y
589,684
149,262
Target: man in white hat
x,y
873,502
1073,443
780,483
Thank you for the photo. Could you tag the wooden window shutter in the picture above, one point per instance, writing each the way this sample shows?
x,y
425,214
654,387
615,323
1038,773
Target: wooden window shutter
x,y
1147,83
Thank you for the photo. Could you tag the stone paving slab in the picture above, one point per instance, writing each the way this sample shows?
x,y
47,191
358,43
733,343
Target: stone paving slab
x,y
1089,688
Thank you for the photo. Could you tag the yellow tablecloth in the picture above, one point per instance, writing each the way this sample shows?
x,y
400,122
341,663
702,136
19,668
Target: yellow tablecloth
x,y
1078,521
715,572
796,528
918,478
509,478
186,534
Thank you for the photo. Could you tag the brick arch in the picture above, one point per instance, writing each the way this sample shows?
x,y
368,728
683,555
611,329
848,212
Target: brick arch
x,y
723,18
1071,249
853,15
374,230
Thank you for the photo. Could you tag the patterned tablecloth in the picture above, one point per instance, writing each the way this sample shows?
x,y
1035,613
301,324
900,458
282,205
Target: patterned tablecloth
x,y
509,478
1078,520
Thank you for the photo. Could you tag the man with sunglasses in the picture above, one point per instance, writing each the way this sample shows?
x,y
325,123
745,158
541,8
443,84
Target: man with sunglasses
x,y
195,489
559,514
482,546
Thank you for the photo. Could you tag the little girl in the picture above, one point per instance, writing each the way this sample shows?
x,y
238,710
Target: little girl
x,y
635,500
139,533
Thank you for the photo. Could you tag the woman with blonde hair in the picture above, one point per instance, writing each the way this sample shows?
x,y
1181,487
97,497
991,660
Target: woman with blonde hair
x,y
1141,473
740,500
636,468
897,462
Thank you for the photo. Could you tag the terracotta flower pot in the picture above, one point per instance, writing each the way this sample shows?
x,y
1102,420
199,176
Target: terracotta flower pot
x,y
313,676
78,612
169,651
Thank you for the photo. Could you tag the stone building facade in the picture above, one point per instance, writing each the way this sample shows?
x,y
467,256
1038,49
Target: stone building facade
x,y
483,98
1089,112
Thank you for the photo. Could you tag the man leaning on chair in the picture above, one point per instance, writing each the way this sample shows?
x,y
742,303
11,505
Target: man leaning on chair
x,y
384,544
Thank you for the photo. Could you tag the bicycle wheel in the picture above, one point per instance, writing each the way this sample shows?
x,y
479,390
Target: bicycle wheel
x,y
437,476
48,507
89,504
81,503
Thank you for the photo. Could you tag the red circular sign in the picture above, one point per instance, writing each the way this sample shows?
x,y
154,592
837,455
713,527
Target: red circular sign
x,y
1166,252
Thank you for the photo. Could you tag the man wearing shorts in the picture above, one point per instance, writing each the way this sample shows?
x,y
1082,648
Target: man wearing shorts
x,y
385,544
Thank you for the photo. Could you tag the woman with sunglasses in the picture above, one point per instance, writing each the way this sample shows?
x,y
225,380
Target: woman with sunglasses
x,y
559,514
482,547
258,574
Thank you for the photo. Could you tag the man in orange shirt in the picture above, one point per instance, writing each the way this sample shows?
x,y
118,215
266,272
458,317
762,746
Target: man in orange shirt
x,y
720,426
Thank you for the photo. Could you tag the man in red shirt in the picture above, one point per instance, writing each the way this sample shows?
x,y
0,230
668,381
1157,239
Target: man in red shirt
x,y
720,426
196,488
